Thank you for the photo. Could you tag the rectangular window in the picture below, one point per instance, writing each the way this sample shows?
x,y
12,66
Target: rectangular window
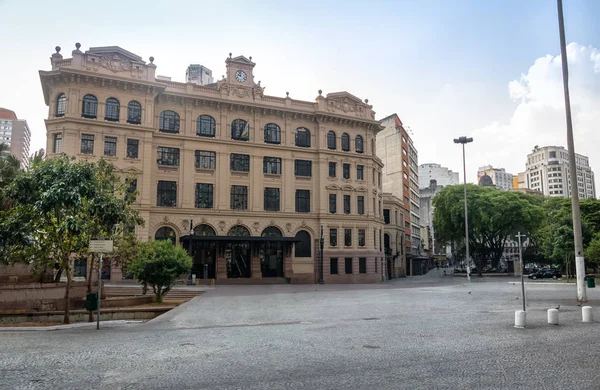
x,y
303,168
361,238
167,156
239,162
374,209
346,169
396,218
360,205
166,193
332,237
552,154
302,201
131,185
132,148
80,268
362,265
239,198
58,143
332,203
333,266
204,196
360,169
87,144
205,159
379,178
375,239
332,169
348,265
347,237
110,146
272,165
272,199
346,204
386,216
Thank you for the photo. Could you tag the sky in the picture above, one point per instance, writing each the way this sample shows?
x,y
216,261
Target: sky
x,y
485,69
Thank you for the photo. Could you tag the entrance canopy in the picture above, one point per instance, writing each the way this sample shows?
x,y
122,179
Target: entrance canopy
x,y
187,238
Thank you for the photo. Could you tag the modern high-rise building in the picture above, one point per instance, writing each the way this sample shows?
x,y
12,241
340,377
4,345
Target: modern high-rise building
x,y
15,133
500,178
249,183
198,74
547,171
442,175
401,178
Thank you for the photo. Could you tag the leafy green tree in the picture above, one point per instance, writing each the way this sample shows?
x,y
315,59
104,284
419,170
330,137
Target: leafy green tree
x,y
159,264
592,253
493,216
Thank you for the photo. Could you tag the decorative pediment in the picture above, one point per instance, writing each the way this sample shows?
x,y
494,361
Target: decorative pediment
x,y
347,188
343,96
241,60
361,189
332,187
346,103
115,51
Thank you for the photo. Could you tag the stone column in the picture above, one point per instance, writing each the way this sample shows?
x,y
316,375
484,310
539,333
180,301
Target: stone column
x,y
256,273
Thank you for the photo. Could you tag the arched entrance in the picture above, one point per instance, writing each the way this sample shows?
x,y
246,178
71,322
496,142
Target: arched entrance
x,y
237,254
271,254
204,253
165,233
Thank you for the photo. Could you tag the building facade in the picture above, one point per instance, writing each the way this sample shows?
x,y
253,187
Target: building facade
x,y
547,171
396,170
426,196
442,175
393,237
500,178
248,183
415,204
16,134
199,75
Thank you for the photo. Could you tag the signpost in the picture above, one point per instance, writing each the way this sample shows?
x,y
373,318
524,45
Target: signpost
x,y
519,236
100,246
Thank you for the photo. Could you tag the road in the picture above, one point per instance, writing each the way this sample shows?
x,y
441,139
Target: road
x,y
418,333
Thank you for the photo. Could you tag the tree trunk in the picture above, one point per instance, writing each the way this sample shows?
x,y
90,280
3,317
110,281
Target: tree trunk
x,y
89,286
66,319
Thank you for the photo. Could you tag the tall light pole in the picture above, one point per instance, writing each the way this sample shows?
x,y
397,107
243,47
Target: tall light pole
x,y
463,141
579,260
519,236
322,245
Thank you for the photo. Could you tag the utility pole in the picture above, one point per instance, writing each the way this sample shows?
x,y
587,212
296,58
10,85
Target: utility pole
x,y
321,245
579,259
519,235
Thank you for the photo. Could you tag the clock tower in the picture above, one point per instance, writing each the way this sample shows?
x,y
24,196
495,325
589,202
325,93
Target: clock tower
x,y
239,71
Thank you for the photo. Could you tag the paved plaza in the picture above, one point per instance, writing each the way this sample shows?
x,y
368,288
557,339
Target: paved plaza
x,y
417,333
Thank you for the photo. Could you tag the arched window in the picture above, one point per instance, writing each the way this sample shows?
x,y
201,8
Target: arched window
x,y
238,231
358,144
303,245
272,134
271,231
303,137
345,142
165,233
205,126
134,113
90,107
168,122
240,130
111,110
331,141
204,230
61,105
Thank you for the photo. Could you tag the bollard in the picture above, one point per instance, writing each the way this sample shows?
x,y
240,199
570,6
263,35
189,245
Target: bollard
x,y
553,316
520,319
586,314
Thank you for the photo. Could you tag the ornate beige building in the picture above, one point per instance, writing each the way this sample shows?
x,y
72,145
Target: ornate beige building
x,y
258,177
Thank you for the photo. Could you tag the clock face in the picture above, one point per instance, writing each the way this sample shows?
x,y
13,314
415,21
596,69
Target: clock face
x,y
240,76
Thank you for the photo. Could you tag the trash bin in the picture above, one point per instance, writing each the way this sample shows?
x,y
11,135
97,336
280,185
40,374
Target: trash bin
x,y
91,301
591,282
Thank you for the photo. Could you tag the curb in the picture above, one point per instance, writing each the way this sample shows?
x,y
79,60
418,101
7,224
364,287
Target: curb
x,y
68,326
547,283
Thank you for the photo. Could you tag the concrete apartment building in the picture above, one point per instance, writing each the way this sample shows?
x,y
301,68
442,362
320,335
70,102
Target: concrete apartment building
x,y
259,178
500,178
547,171
442,175
15,133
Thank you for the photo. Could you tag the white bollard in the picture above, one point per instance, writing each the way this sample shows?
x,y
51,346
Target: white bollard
x,y
553,316
520,319
586,314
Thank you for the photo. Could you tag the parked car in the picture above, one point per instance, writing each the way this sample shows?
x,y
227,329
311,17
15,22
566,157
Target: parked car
x,y
545,274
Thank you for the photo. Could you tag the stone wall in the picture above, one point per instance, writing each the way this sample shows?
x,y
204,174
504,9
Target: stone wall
x,y
41,296
22,273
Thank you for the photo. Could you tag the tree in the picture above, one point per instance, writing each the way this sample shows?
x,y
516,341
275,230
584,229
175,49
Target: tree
x,y
592,253
60,204
493,216
159,264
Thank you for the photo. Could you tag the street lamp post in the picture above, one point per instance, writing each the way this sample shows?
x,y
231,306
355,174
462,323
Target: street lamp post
x,y
577,236
463,141
322,244
519,236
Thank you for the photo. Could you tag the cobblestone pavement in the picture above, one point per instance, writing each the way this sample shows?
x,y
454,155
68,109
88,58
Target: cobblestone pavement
x,y
391,336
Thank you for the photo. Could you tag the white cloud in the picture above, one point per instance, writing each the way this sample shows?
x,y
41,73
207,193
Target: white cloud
x,y
539,118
